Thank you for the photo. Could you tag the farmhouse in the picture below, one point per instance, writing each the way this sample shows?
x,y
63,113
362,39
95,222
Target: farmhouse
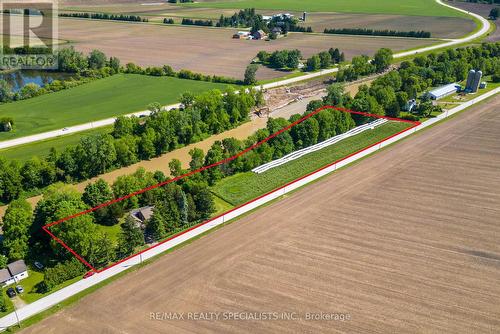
x,y
443,91
142,215
15,272
259,34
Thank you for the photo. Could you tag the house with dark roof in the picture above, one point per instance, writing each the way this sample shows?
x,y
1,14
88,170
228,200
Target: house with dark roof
x,y
142,215
14,272
259,34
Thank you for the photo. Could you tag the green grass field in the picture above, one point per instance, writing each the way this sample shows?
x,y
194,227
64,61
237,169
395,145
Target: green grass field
x,y
42,148
117,95
243,187
401,7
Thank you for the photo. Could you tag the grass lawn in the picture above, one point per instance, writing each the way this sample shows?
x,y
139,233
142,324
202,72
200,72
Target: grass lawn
x,y
243,187
221,206
111,231
117,95
42,148
407,7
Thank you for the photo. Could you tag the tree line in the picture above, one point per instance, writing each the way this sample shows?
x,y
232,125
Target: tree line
x,y
374,32
203,23
133,139
105,16
325,59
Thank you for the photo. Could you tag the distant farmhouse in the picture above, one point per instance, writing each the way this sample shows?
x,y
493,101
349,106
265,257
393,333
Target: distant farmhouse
x,y
15,272
259,34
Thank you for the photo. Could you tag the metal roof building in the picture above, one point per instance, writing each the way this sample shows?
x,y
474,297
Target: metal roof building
x,y
443,91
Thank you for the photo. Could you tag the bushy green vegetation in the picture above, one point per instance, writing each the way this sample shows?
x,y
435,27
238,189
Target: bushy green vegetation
x,y
243,187
407,7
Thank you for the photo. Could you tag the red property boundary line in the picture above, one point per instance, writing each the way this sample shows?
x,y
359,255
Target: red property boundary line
x,y
94,270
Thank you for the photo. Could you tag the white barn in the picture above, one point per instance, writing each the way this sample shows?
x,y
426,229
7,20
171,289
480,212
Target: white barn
x,y
443,91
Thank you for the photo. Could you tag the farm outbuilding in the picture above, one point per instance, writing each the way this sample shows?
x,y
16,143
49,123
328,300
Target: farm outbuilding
x,y
443,91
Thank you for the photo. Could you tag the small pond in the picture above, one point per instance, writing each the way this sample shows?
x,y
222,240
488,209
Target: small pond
x,y
18,79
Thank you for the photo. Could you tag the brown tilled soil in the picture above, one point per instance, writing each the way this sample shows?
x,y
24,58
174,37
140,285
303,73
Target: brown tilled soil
x,y
442,27
405,241
210,51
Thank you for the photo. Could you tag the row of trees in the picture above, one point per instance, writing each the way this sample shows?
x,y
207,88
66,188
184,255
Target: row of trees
x,y
373,32
325,59
132,139
203,23
105,16
280,59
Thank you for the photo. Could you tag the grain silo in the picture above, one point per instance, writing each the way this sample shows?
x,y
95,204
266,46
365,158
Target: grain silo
x,y
470,80
477,81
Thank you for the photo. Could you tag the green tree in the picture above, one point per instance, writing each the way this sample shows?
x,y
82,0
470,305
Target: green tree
x,y
175,167
250,75
131,237
494,12
71,60
5,91
326,59
382,59
313,63
114,64
97,193
16,229
97,60
197,158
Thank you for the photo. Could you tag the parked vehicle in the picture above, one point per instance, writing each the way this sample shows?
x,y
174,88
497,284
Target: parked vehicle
x,y
38,265
19,289
88,274
11,293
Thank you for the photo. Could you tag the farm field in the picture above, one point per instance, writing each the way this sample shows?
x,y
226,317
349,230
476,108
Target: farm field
x,y
198,52
382,235
439,26
408,7
113,96
243,187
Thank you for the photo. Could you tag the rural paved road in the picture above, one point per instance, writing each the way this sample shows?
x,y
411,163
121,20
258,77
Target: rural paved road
x,y
109,121
405,241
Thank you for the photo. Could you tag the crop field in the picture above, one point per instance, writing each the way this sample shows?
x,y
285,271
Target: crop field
x,y
208,50
117,95
382,241
243,187
442,27
407,7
